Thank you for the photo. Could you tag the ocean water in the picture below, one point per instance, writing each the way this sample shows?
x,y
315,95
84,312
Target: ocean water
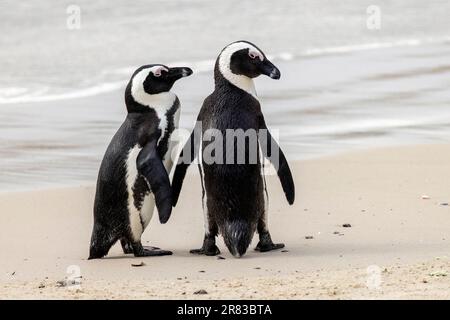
x,y
343,86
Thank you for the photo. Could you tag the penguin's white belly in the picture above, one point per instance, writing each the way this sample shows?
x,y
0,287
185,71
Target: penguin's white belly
x,y
133,212
148,206
139,218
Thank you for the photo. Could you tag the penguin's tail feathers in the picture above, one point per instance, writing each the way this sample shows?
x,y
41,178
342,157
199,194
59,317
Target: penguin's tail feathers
x,y
101,242
237,235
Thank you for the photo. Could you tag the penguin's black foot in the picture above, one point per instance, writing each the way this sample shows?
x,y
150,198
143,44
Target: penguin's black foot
x,y
212,251
209,247
140,251
151,248
129,250
266,244
153,253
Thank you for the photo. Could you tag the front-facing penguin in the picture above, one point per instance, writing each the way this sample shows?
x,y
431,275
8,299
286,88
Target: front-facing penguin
x,y
134,175
234,188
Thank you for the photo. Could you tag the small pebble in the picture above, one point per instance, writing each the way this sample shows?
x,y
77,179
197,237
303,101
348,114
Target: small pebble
x,y
425,197
309,237
61,283
347,225
336,232
444,204
141,264
201,291
257,268
202,271
284,250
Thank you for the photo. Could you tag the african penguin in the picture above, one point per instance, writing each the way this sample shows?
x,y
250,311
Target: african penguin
x,y
234,193
134,173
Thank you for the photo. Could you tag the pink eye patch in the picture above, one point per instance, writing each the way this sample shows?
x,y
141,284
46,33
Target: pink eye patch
x,y
157,72
255,54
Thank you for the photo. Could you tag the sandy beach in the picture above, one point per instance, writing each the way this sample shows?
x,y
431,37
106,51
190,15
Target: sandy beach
x,y
397,245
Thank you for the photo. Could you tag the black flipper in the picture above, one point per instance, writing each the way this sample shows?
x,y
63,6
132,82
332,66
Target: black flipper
x,y
268,145
150,165
187,156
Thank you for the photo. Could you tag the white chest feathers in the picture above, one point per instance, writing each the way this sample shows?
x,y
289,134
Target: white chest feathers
x,y
160,102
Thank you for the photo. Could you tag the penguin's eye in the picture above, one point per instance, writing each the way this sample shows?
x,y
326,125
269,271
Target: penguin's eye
x,y
157,73
252,55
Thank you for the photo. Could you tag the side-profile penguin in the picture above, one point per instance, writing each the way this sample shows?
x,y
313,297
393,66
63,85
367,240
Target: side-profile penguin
x,y
134,174
234,192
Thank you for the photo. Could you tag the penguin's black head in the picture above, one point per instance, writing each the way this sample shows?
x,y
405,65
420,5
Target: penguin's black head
x,y
150,81
242,59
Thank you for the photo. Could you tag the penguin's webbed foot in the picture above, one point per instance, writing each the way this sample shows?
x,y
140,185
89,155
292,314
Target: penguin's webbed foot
x,y
214,251
266,244
151,248
152,253
209,248
127,247
147,251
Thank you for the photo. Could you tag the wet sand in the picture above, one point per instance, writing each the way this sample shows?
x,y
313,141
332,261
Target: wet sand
x,y
396,247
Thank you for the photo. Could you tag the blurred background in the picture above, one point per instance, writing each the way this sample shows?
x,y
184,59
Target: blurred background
x,y
346,83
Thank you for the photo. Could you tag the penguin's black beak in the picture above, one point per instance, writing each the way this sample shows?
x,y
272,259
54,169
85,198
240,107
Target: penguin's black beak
x,y
179,72
267,68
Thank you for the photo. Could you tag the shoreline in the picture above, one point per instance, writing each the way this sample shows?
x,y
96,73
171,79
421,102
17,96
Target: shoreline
x,y
314,157
380,104
378,192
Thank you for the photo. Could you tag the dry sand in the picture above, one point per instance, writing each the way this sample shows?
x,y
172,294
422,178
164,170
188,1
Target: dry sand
x,y
396,247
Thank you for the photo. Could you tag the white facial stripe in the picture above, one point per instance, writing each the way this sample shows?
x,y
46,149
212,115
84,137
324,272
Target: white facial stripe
x,y
243,82
161,100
